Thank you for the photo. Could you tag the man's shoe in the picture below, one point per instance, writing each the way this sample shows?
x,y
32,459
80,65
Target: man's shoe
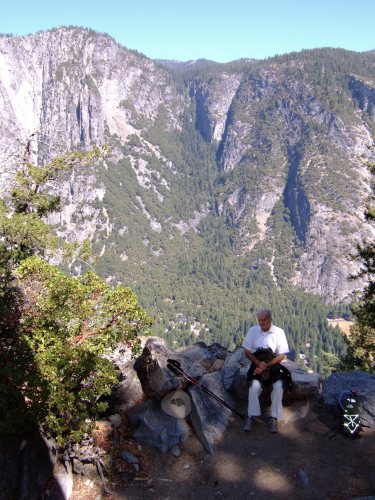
x,y
272,425
249,424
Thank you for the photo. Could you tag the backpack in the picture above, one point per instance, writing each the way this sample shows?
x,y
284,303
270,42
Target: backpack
x,y
273,374
350,420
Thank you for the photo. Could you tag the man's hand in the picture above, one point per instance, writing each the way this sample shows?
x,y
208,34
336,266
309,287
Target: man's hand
x,y
261,367
262,364
258,370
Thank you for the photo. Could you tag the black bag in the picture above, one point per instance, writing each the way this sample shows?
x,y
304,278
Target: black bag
x,y
350,420
271,375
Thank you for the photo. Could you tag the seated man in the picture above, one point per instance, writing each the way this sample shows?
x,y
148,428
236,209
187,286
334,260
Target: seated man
x,y
264,336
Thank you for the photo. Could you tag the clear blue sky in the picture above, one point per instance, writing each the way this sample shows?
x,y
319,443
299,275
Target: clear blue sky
x,y
220,30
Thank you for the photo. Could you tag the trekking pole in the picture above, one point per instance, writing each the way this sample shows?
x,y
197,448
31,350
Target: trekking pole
x,y
175,367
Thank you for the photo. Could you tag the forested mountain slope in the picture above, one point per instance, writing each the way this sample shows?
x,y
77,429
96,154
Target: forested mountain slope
x,y
229,186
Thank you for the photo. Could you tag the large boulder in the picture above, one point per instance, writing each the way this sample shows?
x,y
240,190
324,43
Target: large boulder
x,y
61,486
10,457
304,384
206,356
240,385
152,368
151,426
153,364
235,367
37,461
128,391
209,417
362,382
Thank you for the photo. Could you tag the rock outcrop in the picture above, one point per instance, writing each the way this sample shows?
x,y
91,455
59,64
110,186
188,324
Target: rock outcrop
x,y
26,467
26,464
217,371
361,382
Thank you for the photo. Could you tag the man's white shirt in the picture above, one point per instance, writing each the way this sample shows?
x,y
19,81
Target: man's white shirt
x,y
274,339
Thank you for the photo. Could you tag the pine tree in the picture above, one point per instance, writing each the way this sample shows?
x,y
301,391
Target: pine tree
x,y
361,341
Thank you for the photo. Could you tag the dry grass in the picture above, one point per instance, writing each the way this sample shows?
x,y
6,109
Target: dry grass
x,y
343,324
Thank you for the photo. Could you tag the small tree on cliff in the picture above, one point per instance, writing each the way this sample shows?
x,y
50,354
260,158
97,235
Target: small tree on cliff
x,y
55,329
361,342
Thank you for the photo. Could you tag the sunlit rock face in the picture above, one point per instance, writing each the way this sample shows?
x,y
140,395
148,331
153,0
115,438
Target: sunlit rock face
x,y
284,140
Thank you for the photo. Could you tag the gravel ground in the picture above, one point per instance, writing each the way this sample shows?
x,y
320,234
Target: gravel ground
x,y
307,460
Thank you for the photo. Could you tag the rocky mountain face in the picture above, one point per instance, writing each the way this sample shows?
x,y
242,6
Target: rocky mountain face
x,y
297,149
258,159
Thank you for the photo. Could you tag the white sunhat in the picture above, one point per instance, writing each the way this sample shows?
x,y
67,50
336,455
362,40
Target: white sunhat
x,y
176,404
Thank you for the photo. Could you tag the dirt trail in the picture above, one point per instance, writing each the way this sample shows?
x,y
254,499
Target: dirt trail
x,y
305,460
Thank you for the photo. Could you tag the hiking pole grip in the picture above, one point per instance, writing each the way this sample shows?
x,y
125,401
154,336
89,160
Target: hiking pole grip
x,y
174,369
174,362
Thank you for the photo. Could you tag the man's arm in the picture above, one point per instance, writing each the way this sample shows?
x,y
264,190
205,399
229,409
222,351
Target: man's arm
x,y
262,365
277,359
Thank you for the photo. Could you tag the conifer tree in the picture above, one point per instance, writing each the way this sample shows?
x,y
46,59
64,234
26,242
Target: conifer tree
x,y
361,341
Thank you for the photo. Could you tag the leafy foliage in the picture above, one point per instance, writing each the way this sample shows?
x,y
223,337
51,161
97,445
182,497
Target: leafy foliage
x,y
66,326
55,330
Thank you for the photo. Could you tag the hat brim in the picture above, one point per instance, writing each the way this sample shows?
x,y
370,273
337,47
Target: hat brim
x,y
176,404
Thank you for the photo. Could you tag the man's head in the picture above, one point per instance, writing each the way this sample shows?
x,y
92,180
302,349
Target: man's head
x,y
264,319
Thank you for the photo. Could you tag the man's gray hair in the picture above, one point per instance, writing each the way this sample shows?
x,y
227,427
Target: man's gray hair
x,y
261,311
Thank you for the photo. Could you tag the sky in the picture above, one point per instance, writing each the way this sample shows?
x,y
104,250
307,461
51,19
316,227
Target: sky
x,y
218,30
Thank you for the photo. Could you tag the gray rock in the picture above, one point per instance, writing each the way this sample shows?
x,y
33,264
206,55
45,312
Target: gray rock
x,y
77,466
304,383
198,353
116,420
210,418
216,366
240,385
206,356
295,409
362,382
91,472
128,391
38,459
151,426
176,451
154,361
10,456
129,457
218,351
62,486
303,478
84,453
231,369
